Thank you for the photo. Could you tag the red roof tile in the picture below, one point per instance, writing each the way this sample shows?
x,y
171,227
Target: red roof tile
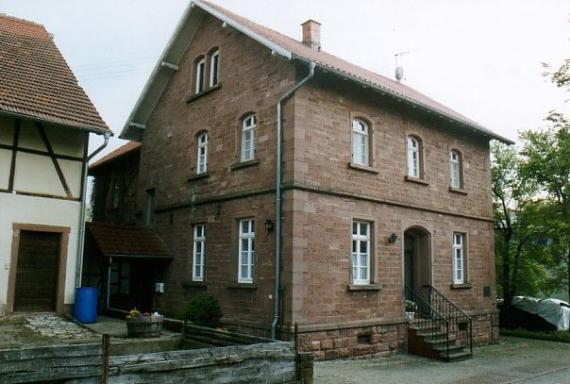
x,y
36,82
346,69
123,150
128,241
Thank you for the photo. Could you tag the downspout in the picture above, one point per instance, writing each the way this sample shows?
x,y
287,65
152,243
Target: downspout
x,y
278,197
81,234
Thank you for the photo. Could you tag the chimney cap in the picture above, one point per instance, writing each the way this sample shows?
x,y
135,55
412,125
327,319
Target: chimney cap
x,y
311,21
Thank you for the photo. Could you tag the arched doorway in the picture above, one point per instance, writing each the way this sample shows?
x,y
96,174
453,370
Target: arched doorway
x,y
417,260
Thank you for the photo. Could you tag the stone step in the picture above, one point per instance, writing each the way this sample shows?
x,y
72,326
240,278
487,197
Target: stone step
x,y
456,356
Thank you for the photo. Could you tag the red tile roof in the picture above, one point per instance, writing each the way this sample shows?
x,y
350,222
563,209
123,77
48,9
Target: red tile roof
x,y
128,241
37,83
346,69
123,150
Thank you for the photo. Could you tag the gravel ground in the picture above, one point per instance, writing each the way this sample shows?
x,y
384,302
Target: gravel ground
x,y
512,360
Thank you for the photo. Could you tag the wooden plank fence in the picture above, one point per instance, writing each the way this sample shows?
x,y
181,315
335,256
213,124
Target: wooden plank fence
x,y
234,358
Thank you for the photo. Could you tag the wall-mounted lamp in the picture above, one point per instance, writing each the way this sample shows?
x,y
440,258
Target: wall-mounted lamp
x,y
269,225
392,239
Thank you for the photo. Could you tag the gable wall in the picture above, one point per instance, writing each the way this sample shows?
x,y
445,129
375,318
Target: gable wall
x,y
251,80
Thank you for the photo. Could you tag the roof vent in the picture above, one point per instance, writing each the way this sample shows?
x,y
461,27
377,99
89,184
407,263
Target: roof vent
x,y
312,34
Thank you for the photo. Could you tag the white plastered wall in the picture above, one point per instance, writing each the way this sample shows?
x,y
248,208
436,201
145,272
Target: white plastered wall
x,y
42,211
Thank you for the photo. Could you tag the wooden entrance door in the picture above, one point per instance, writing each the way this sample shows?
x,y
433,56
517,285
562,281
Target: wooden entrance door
x,y
37,272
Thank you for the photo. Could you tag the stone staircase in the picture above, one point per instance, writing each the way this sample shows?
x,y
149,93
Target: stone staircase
x,y
433,342
440,329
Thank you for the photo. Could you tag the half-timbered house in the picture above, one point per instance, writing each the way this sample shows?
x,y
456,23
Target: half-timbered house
x,y
45,124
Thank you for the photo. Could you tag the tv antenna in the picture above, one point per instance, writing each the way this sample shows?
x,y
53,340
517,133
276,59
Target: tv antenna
x,y
399,72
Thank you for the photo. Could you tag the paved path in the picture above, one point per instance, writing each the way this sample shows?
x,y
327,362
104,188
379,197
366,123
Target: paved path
x,y
511,361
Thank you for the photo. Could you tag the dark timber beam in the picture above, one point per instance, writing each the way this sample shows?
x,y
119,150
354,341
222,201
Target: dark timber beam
x,y
54,160
17,124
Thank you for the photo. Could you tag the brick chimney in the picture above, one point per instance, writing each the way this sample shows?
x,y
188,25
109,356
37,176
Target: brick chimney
x,y
312,34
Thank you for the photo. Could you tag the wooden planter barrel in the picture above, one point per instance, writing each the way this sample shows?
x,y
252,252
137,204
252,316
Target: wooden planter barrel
x,y
149,326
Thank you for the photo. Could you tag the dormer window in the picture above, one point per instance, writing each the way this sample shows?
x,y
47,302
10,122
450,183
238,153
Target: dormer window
x,y
360,142
200,73
248,134
455,169
414,157
214,68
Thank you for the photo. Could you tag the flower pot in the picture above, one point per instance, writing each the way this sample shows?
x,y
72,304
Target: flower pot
x,y
146,326
410,316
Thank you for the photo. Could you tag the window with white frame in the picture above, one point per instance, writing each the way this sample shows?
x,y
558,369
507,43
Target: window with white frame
x,y
249,126
454,169
198,252
414,158
202,164
246,249
200,73
360,252
458,258
360,142
214,68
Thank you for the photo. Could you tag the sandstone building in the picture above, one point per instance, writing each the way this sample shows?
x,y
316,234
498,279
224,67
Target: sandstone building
x,y
265,159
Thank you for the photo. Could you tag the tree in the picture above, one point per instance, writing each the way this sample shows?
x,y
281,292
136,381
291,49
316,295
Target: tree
x,y
545,163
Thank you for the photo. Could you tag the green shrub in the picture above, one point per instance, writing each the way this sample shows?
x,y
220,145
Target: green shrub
x,y
204,309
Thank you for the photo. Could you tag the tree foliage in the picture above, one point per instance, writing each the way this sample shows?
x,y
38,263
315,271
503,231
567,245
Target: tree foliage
x,y
531,195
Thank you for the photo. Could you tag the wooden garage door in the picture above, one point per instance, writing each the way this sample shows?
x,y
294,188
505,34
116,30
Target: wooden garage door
x,y
37,272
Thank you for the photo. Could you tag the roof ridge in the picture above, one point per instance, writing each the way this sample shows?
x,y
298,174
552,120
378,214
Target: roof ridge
x,y
22,21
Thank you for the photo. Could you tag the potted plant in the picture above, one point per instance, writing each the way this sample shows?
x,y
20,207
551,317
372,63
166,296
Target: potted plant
x,y
411,309
143,324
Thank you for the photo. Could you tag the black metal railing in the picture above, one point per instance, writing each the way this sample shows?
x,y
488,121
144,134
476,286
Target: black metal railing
x,y
460,323
439,319
427,320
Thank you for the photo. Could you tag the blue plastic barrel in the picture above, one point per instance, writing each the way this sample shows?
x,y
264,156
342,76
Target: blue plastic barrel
x,y
85,308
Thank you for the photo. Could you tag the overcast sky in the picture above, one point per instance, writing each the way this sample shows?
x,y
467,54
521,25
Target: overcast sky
x,y
481,58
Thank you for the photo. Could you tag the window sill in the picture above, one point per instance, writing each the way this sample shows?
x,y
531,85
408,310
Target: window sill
x,y
192,283
365,168
245,164
200,176
416,180
364,287
242,286
461,286
190,99
460,191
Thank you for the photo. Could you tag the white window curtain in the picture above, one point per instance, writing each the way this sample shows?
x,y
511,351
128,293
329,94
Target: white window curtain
x,y
454,169
360,143
198,252
458,258
248,138
413,145
360,253
246,250
202,164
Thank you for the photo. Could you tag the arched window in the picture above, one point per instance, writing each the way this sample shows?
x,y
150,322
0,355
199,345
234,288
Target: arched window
x,y
200,73
214,68
248,134
360,142
202,163
455,169
414,156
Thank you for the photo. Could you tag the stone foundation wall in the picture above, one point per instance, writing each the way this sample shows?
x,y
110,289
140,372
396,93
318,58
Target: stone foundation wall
x,y
377,340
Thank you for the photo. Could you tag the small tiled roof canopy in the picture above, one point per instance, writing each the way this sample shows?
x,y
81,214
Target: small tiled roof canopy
x,y
128,241
37,83
123,150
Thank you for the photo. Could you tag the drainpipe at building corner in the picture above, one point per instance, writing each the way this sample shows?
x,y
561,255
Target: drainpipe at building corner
x,y
81,232
278,197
